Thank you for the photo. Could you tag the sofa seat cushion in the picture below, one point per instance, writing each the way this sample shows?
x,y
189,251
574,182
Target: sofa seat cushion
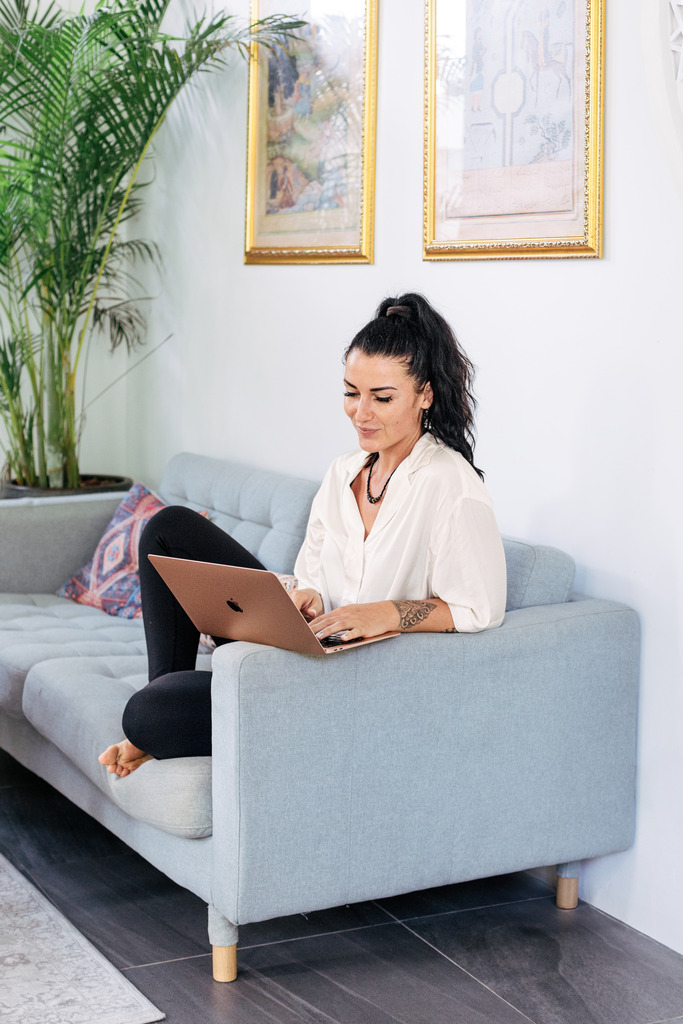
x,y
37,627
77,704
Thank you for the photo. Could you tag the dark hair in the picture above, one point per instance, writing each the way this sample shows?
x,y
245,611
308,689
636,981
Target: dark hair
x,y
410,329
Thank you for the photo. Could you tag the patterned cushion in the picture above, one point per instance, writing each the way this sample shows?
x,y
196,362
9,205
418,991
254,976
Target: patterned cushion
x,y
110,580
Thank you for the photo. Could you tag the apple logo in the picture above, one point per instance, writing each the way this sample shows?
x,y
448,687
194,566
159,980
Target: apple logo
x,y
234,605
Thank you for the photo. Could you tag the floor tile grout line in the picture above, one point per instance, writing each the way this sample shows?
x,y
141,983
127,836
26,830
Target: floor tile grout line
x,y
255,971
162,963
338,931
466,910
319,935
464,970
273,942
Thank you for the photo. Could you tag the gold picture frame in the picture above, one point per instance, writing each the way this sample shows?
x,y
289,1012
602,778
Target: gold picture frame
x,y
311,137
513,137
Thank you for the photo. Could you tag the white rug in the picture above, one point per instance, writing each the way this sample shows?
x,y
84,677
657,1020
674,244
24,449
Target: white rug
x,y
50,974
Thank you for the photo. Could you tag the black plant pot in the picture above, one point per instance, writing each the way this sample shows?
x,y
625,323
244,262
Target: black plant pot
x,y
93,484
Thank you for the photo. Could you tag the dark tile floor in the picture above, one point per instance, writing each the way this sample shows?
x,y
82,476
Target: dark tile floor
x,y
495,951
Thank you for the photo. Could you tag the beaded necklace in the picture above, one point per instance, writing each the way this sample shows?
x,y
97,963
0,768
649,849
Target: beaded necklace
x,y
374,501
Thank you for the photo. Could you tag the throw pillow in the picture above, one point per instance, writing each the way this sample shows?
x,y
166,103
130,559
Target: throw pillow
x,y
110,580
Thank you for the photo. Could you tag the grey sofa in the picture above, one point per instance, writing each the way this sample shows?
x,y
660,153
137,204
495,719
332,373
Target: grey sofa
x,y
423,761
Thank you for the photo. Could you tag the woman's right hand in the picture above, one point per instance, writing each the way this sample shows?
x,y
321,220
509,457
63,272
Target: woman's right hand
x,y
309,602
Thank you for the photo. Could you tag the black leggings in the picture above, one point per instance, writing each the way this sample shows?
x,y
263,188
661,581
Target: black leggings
x,y
171,716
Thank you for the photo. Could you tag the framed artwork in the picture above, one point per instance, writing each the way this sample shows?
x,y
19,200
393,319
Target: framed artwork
x,y
311,136
513,129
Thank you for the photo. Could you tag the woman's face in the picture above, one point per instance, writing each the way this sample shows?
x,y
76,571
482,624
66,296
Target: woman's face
x,y
381,401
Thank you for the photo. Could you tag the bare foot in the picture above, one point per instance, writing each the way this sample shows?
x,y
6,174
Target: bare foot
x,y
123,758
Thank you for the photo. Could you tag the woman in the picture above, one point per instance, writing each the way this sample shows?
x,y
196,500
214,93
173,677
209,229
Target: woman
x,y
401,535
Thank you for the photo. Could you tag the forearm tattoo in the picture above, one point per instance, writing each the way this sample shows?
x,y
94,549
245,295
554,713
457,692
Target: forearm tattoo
x,y
412,612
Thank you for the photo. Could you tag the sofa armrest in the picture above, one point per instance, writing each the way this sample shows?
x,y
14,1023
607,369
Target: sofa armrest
x,y
43,543
422,760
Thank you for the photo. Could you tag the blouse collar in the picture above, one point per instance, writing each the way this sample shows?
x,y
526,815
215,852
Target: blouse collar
x,y
421,454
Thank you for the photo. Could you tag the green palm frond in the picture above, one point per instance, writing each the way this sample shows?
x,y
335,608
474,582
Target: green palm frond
x,y
81,100
124,320
18,12
11,366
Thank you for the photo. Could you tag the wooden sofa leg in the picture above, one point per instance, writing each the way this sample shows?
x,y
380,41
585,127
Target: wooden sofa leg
x,y
567,895
224,963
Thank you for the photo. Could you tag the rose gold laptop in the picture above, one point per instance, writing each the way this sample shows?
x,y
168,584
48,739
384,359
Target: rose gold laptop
x,y
245,604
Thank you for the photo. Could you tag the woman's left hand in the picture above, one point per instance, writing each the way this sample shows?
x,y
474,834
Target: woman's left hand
x,y
356,620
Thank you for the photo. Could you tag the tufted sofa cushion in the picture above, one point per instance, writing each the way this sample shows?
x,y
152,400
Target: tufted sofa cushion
x,y
40,627
77,703
266,512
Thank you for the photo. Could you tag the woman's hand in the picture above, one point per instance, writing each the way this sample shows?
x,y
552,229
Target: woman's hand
x,y
356,620
309,602
366,620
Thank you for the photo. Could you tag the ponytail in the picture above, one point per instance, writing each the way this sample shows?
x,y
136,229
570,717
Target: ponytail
x,y
409,329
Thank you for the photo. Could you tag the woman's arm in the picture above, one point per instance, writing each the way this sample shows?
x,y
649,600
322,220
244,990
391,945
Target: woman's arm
x,y
355,620
469,571
307,564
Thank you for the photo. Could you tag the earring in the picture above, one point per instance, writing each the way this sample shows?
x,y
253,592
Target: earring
x,y
426,419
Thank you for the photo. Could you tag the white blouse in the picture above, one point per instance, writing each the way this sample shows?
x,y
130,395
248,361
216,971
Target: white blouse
x,y
435,536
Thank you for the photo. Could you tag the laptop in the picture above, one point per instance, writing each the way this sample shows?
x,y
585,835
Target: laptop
x,y
245,604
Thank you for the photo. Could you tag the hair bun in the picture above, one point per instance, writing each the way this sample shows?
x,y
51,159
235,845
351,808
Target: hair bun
x,y
398,311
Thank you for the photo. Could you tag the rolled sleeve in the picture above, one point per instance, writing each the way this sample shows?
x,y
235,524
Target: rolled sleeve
x,y
307,565
469,567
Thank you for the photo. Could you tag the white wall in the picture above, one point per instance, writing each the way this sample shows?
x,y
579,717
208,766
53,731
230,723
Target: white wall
x,y
580,372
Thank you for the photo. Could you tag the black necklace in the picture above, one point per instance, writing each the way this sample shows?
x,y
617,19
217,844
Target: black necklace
x,y
374,501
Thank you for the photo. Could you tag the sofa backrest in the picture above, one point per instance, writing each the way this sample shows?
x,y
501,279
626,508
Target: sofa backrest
x,y
267,513
537,574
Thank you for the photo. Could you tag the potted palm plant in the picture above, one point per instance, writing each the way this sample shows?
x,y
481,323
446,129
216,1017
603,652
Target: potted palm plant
x,y
81,99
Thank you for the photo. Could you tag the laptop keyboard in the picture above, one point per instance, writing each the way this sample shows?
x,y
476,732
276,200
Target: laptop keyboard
x,y
335,640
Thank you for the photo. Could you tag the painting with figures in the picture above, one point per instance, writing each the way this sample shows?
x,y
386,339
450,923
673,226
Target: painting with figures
x,y
310,141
